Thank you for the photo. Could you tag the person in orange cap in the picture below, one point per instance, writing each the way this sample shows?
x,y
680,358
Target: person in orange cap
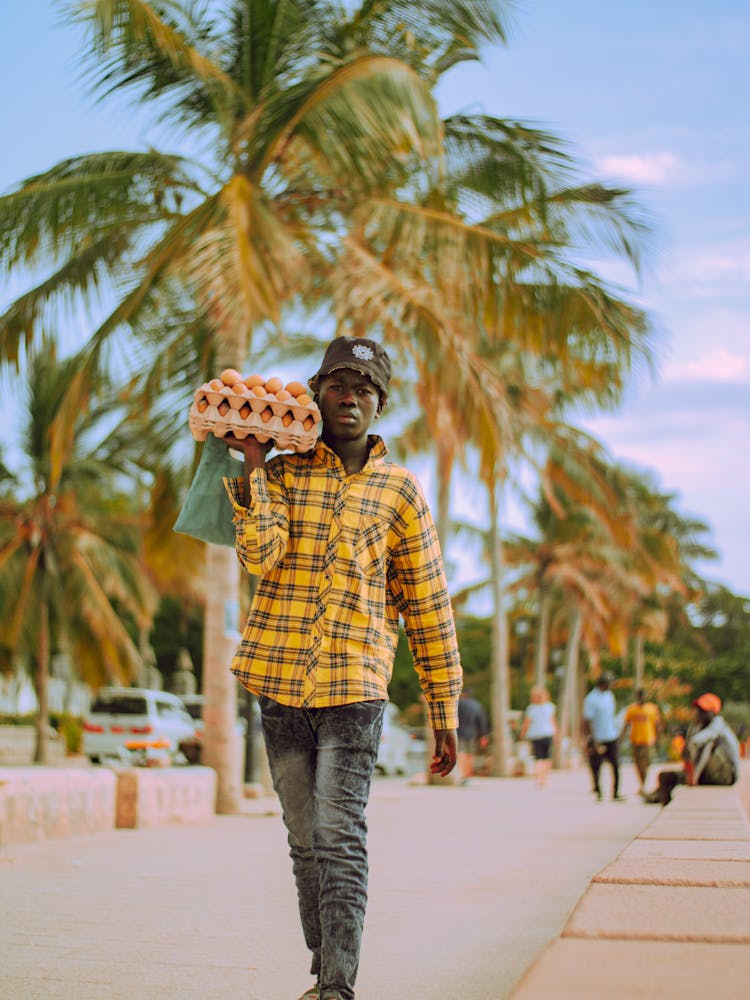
x,y
711,754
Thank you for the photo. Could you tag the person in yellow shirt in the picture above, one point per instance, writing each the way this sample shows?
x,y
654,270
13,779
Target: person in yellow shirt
x,y
643,718
343,545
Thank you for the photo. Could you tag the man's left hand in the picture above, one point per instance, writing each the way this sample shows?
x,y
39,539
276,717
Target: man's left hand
x,y
446,751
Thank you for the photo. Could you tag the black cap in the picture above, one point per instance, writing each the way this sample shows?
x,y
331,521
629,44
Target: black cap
x,y
360,354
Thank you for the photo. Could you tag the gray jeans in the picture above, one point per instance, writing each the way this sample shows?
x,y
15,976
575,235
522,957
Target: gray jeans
x,y
321,762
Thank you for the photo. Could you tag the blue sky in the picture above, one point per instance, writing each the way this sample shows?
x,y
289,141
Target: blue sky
x,y
650,93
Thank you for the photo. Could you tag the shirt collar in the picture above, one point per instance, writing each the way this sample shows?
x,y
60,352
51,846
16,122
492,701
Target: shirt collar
x,y
376,456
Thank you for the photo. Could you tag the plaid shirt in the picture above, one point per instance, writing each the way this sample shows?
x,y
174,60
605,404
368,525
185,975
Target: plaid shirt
x,y
339,558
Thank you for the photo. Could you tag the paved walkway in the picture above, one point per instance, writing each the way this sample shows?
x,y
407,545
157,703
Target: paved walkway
x,y
468,886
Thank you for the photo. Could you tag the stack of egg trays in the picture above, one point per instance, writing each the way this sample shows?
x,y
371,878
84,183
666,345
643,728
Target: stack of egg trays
x,y
294,437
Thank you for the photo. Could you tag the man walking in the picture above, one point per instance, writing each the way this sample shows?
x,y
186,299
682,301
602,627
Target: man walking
x,y
472,732
600,731
643,719
343,544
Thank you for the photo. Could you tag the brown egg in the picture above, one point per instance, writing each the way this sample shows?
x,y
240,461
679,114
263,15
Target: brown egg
x,y
257,390
216,384
295,388
266,414
202,405
240,389
230,376
304,399
252,380
245,411
274,384
287,418
282,395
223,407
308,423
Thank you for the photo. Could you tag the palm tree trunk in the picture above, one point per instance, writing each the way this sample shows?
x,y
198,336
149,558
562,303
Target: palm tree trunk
x,y
444,467
220,746
639,660
500,672
568,708
42,672
542,637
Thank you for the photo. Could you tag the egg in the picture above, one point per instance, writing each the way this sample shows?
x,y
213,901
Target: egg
x,y
304,399
273,384
245,411
202,405
216,384
230,376
240,389
223,408
252,380
308,423
257,390
266,414
295,388
282,395
287,418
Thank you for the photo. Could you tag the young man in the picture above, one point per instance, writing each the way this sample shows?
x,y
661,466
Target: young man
x,y
472,732
343,543
711,753
643,719
600,730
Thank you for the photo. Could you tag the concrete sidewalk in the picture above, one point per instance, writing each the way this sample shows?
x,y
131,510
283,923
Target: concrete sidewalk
x,y
468,886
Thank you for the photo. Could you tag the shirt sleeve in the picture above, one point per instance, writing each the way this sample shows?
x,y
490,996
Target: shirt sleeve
x,y
416,580
261,527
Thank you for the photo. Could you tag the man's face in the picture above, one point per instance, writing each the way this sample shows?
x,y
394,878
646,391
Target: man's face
x,y
349,402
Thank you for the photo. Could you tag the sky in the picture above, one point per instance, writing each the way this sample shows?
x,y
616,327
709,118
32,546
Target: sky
x,y
650,94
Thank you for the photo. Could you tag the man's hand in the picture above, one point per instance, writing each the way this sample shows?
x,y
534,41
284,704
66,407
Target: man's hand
x,y
446,751
254,452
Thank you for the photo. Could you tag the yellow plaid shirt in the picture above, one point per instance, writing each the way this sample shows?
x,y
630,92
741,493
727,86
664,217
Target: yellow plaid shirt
x,y
339,559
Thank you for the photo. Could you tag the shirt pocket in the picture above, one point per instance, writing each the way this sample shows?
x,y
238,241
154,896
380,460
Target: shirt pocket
x,y
366,537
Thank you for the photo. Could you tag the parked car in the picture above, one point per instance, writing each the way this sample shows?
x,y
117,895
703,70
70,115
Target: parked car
x,y
124,719
192,746
396,754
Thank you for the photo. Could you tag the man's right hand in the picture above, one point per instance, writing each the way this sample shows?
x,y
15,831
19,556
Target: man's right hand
x,y
254,451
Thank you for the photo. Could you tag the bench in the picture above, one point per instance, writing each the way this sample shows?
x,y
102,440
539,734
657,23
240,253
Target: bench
x,y
669,917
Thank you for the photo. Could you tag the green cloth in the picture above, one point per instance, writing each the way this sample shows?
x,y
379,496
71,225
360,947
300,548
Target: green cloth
x,y
207,513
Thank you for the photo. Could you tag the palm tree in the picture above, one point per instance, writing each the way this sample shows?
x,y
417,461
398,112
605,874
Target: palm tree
x,y
70,549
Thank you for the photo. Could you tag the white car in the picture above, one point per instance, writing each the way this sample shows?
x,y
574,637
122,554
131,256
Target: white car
x,y
395,753
124,720
192,747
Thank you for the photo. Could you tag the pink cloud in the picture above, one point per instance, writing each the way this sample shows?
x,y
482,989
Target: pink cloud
x,y
651,168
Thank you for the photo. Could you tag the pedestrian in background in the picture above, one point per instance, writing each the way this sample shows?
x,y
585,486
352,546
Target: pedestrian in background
x,y
343,544
711,753
643,719
472,732
601,733
540,727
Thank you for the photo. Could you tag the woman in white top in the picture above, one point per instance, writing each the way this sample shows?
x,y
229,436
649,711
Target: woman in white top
x,y
540,727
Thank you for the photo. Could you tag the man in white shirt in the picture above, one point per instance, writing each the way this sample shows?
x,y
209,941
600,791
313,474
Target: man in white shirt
x,y
601,733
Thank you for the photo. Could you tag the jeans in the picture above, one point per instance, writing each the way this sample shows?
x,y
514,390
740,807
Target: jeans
x,y
609,752
321,762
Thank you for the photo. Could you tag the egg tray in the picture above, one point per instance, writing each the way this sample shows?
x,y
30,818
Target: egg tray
x,y
211,421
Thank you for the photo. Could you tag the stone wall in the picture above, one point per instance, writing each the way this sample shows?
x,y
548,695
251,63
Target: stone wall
x,y
44,802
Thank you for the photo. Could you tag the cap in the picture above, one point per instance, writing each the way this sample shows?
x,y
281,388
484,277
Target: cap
x,y
709,702
604,679
360,354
